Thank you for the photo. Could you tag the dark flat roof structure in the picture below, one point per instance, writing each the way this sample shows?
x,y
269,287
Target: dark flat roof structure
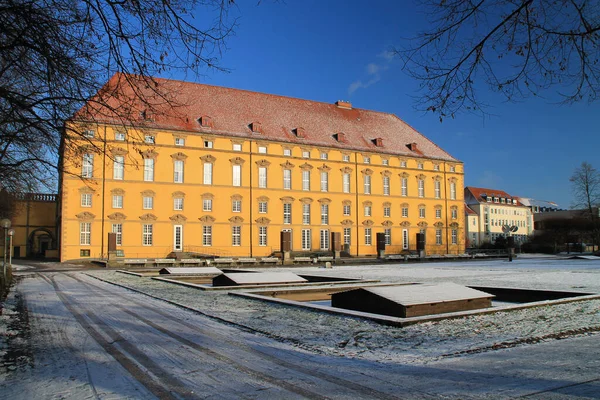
x,y
190,271
257,278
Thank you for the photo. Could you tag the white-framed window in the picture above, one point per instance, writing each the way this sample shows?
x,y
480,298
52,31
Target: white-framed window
x,y
346,183
179,141
437,189
262,235
262,207
262,177
208,144
324,214
305,154
85,233
386,185
452,168
404,239
367,211
438,213
367,184
438,236
404,186
236,235
366,159
347,233
178,203
385,161
436,167
147,230
88,133
237,175
148,169
368,239
208,173
287,152
287,213
345,158
118,167
402,163
454,236
207,204
420,165
147,202
324,155
178,171
287,179
388,236
324,239
324,181
405,212
347,210
387,212
237,147
421,212
86,199
117,201
306,239
262,149
207,235
236,206
421,187
120,136
118,229
150,139
305,179
306,214
452,190
87,166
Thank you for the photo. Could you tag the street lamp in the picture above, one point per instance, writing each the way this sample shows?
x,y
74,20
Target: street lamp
x,y
5,223
11,233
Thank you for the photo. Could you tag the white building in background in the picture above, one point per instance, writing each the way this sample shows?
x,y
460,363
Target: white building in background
x,y
496,208
471,227
539,206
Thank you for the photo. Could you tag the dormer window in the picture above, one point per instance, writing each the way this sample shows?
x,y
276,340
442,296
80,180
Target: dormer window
x,y
341,137
489,199
300,132
205,121
412,146
378,142
496,199
256,127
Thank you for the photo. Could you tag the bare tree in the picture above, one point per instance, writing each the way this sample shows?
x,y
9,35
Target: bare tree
x,y
586,194
515,47
55,55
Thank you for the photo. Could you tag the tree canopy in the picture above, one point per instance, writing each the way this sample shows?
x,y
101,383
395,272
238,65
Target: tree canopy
x,y
518,48
56,54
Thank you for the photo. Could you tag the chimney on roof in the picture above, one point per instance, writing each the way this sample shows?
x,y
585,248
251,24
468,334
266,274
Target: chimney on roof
x,y
341,137
412,146
300,132
378,142
256,127
344,104
205,121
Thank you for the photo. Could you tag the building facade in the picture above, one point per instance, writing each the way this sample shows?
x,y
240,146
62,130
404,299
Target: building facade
x,y
495,209
472,231
228,170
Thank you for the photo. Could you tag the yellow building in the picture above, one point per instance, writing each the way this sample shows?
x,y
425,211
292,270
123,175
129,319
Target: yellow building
x,y
225,171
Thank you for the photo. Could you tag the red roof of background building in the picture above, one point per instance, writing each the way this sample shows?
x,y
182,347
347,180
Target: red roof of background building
x,y
232,112
479,192
469,211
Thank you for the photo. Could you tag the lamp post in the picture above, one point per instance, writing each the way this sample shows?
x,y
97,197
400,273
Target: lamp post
x,y
11,233
5,223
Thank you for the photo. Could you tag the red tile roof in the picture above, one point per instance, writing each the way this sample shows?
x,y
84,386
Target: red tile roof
x,y
479,192
469,211
233,112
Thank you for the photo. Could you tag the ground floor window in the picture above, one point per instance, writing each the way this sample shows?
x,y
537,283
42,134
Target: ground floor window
x,y
147,234
306,239
118,229
262,235
368,240
438,236
207,235
85,233
388,236
454,235
347,236
324,239
236,235
404,239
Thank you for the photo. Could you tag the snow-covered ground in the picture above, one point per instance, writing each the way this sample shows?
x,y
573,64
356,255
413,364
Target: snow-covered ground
x,y
89,339
356,338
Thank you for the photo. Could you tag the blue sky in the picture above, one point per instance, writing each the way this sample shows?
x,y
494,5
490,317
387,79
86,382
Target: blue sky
x,y
331,50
